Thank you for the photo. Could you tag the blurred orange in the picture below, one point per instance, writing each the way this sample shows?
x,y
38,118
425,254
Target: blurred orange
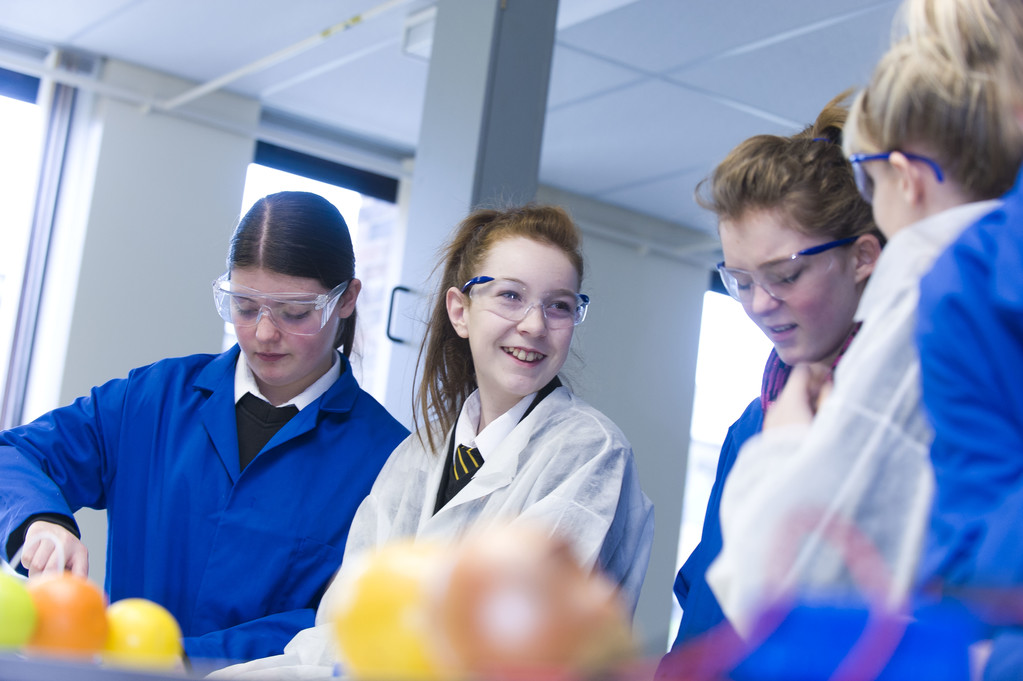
x,y
72,619
508,603
520,605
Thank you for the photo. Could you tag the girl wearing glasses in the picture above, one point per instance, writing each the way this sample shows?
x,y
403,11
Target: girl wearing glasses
x,y
500,331
230,480
837,503
499,437
970,337
799,244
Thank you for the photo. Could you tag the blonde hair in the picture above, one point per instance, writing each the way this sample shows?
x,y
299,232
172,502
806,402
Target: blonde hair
x,y
980,35
805,175
919,100
449,375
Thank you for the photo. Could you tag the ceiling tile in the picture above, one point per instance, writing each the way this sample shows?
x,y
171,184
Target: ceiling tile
x,y
667,34
576,75
638,134
795,78
56,21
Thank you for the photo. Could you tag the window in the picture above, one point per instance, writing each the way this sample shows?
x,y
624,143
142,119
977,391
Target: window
x,y
21,133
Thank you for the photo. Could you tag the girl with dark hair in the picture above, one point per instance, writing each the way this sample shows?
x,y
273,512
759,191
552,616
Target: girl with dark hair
x,y
230,481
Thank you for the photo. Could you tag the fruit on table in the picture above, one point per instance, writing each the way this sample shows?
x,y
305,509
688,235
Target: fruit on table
x,y
17,613
141,634
518,604
511,602
382,617
72,619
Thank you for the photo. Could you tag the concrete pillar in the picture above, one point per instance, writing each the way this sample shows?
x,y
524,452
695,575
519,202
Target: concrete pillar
x,y
482,126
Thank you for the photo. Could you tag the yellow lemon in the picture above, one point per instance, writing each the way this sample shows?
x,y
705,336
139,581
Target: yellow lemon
x,y
141,634
382,616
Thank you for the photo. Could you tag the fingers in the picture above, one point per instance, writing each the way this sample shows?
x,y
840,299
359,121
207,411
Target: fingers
x,y
78,559
52,548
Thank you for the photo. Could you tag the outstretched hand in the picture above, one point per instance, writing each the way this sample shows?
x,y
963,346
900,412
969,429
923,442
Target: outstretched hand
x,y
805,391
40,554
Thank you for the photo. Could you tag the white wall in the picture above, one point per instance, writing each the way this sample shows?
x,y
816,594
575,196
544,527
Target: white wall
x,y
152,200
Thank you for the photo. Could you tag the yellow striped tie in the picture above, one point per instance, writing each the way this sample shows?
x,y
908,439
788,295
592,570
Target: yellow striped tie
x,y
467,460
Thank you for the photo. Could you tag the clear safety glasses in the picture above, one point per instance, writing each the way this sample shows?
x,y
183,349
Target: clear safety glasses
x,y
302,314
865,183
510,299
779,278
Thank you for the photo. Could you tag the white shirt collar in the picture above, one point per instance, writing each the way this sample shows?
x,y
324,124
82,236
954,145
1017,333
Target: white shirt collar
x,y
498,429
245,382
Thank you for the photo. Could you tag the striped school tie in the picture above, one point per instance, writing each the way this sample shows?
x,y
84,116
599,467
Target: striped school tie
x,y
466,461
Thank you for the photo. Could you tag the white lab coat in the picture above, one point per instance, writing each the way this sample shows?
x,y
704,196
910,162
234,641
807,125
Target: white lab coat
x,y
840,508
565,465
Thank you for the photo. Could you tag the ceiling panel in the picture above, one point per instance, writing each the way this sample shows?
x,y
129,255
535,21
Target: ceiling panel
x,y
576,76
55,21
670,198
794,78
645,97
359,98
202,40
667,34
638,134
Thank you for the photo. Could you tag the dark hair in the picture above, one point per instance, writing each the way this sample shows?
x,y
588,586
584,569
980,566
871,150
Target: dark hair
x,y
806,176
298,234
449,376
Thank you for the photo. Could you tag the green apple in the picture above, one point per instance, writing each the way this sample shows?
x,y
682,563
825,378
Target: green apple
x,y
17,613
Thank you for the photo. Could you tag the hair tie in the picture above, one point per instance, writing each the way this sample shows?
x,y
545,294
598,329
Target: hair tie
x,y
821,139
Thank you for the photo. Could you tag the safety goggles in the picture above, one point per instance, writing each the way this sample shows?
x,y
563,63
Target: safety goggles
x,y
779,278
865,183
301,314
510,300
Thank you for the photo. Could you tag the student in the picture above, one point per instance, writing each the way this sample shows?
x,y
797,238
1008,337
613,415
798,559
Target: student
x,y
835,504
499,334
499,438
970,336
799,244
230,480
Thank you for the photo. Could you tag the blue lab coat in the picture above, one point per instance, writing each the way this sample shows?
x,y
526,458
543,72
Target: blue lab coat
x,y
701,611
241,559
970,336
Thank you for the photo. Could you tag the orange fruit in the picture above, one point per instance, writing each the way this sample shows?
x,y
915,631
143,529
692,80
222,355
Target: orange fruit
x,y
520,605
72,618
142,634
